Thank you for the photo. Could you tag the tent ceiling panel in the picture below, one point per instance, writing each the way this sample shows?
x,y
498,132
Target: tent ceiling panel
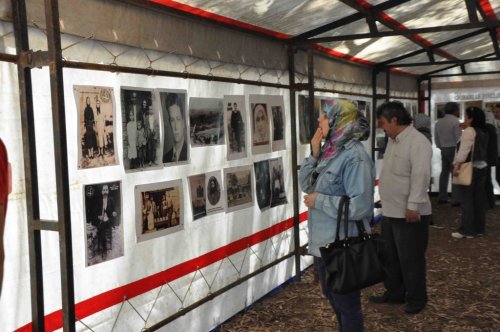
x,y
375,50
472,47
422,69
420,58
290,17
438,37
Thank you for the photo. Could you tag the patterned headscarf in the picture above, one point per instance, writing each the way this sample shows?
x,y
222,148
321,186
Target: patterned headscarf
x,y
346,122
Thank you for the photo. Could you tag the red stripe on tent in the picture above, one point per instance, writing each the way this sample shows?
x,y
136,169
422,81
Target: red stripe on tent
x,y
488,10
229,21
95,304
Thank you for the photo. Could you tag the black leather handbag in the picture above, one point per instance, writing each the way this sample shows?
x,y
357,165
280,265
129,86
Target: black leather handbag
x,y
352,263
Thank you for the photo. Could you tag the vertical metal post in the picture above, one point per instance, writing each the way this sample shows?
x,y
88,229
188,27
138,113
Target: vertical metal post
x,y
387,85
429,92
419,95
374,108
61,162
295,180
30,166
310,81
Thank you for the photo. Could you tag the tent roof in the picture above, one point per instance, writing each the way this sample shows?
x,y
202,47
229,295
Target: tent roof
x,y
290,19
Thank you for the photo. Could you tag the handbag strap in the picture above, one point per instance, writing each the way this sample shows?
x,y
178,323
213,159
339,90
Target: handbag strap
x,y
343,209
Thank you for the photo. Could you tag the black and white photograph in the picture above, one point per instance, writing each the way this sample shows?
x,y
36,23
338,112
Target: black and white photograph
x,y
158,209
236,120
260,113
198,200
238,184
308,121
206,121
96,126
141,130
278,193
364,107
175,127
278,123
215,198
103,222
262,184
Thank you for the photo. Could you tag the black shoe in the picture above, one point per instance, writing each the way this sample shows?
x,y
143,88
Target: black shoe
x,y
442,201
412,309
384,299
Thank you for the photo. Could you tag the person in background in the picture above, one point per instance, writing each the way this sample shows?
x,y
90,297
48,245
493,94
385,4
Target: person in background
x,y
473,197
422,123
497,125
492,156
4,193
100,124
447,132
340,168
406,208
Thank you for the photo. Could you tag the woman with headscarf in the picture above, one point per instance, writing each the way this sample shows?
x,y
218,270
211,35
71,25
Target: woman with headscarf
x,y
341,167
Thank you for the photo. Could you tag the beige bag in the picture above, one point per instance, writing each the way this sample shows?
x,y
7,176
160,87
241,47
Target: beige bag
x,y
464,177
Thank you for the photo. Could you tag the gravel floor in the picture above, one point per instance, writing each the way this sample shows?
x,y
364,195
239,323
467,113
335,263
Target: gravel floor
x,y
463,285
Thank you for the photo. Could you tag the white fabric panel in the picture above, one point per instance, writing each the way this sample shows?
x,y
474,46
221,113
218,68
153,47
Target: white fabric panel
x,y
140,259
291,17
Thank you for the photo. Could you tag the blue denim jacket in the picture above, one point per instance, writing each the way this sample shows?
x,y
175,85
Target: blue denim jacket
x,y
349,173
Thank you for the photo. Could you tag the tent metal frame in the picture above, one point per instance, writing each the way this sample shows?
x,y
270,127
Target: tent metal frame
x,y
26,60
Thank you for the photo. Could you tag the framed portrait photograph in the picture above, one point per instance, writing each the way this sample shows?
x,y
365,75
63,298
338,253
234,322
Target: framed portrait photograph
x,y
175,126
206,121
159,209
215,193
262,184
142,144
96,126
307,119
235,123
197,189
278,122
278,193
260,112
103,222
238,184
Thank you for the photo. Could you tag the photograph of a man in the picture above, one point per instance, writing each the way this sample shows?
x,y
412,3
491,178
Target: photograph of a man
x,y
262,184
175,146
103,222
235,123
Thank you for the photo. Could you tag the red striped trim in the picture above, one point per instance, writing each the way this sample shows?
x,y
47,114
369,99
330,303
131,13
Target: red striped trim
x,y
488,10
53,321
219,18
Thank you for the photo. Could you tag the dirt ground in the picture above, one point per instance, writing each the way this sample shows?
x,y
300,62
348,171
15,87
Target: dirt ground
x,y
463,278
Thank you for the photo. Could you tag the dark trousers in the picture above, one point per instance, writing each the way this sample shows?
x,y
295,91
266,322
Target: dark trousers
x,y
490,194
498,172
347,307
405,245
473,203
447,156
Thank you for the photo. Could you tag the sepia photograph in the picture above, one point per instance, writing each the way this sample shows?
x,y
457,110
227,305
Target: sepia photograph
x,y
175,127
278,193
262,184
158,209
238,184
103,222
198,201
215,198
260,123
96,126
235,119
278,123
307,120
141,130
206,121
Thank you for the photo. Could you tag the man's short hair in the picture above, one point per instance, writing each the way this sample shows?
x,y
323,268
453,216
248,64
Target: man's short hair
x,y
394,109
451,108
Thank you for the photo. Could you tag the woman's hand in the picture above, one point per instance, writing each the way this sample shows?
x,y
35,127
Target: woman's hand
x,y
316,143
309,199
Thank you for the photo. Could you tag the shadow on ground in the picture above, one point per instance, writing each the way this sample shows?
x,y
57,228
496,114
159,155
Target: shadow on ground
x,y
463,279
